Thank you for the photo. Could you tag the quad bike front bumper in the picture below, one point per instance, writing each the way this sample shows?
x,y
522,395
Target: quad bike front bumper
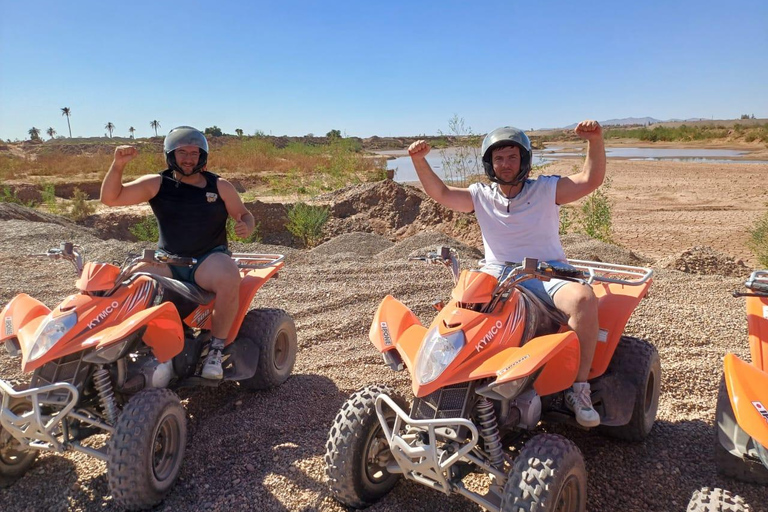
x,y
425,450
46,430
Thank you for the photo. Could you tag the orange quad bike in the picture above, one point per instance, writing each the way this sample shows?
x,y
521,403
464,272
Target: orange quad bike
x,y
105,361
492,365
741,448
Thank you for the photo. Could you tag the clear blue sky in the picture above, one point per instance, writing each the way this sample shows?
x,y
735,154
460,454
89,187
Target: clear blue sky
x,y
375,68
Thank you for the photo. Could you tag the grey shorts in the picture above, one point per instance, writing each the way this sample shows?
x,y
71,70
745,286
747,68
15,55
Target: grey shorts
x,y
544,290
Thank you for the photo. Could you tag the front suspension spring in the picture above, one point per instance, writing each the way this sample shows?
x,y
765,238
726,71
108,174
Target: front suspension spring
x,y
103,385
489,429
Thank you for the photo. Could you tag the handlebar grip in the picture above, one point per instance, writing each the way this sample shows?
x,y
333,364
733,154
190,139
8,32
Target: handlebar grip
x,y
757,286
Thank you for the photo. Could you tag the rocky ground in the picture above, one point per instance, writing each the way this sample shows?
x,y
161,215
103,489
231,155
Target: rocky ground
x,y
264,450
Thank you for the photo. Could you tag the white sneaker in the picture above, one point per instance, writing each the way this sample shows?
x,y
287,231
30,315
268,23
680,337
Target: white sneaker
x,y
212,365
579,400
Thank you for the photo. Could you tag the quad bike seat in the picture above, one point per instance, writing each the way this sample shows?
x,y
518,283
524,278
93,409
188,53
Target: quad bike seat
x,y
185,296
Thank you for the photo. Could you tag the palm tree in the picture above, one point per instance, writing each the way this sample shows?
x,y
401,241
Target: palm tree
x,y
51,132
239,132
67,112
131,130
155,124
34,133
110,127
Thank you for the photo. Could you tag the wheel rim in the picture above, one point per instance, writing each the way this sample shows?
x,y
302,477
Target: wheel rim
x,y
166,447
12,452
282,350
376,457
569,497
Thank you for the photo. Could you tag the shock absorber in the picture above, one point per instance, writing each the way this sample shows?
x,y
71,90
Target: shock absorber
x,y
489,429
103,385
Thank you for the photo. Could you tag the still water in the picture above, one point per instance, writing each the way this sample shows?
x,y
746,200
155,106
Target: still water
x,y
436,158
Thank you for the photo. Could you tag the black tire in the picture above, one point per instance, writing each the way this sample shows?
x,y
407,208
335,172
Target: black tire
x,y
15,459
637,360
145,453
274,333
357,452
728,464
548,475
716,500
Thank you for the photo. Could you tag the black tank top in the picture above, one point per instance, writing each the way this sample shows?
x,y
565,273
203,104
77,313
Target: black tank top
x,y
191,220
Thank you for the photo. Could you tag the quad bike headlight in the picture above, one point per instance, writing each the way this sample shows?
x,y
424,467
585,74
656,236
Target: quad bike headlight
x,y
51,331
437,353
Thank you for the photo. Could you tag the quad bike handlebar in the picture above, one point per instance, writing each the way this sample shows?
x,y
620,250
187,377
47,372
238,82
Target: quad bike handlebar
x,y
757,284
66,251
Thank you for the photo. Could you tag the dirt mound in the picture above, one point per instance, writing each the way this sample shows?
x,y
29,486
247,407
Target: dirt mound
x,y
422,243
13,211
705,260
394,210
582,247
359,244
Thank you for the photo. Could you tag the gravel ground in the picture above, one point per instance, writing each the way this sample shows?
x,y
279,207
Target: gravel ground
x,y
264,450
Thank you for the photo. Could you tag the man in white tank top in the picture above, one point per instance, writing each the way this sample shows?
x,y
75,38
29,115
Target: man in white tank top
x,y
520,218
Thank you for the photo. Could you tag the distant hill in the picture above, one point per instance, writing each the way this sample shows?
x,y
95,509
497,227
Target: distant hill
x,y
643,121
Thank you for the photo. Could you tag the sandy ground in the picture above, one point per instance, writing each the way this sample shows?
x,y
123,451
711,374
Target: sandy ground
x,y
263,451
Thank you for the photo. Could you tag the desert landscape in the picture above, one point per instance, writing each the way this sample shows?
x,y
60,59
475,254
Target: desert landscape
x,y
264,450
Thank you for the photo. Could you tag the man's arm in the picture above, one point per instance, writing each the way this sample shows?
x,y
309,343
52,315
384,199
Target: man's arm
x,y
458,199
244,221
114,193
572,188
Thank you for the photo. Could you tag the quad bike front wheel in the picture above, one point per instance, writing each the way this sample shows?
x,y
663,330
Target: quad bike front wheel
x,y
548,475
274,333
638,361
745,468
15,458
716,500
357,452
145,453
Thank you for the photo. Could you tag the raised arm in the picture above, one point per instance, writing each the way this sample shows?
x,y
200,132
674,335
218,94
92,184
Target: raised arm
x,y
114,193
572,188
458,199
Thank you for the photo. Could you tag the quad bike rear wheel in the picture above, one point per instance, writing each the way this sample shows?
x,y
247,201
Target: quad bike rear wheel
x,y
547,476
716,500
639,361
274,332
15,459
357,452
743,468
145,453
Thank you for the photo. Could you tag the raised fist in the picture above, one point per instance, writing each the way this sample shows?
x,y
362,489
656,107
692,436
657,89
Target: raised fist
x,y
589,130
124,154
419,149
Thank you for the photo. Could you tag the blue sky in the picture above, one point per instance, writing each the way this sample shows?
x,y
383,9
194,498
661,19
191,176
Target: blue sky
x,y
375,68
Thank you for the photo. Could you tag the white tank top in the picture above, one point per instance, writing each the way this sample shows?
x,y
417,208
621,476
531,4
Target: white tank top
x,y
525,226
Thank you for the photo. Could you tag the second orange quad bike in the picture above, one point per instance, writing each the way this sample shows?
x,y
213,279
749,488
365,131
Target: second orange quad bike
x,y
492,365
741,447
105,361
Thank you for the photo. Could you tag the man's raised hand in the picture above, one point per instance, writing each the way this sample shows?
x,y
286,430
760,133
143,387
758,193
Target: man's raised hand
x,y
589,130
419,149
124,154
241,228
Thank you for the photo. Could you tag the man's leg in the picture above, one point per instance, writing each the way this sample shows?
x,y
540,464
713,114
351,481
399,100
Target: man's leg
x,y
578,301
219,274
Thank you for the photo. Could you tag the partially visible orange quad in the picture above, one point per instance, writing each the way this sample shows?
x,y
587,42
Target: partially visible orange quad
x,y
106,359
489,369
741,449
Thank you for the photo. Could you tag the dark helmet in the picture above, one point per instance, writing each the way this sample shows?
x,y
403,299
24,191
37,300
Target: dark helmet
x,y
507,136
185,136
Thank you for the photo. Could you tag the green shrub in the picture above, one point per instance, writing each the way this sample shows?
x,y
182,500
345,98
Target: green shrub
x,y
465,160
48,194
566,220
8,195
306,222
758,240
80,207
596,214
146,229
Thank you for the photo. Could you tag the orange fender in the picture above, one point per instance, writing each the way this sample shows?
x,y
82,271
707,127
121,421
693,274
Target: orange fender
x,y
19,312
391,320
164,333
748,391
558,353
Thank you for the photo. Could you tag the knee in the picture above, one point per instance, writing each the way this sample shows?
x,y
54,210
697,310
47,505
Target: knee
x,y
581,300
